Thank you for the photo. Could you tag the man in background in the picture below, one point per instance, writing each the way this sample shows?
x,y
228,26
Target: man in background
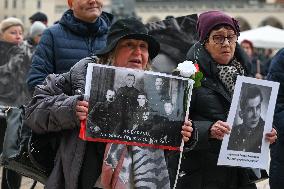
x,y
39,16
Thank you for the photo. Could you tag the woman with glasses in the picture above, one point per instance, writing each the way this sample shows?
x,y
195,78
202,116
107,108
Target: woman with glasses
x,y
220,59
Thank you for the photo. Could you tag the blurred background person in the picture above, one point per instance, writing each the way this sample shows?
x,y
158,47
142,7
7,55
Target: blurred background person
x,y
12,30
266,60
15,62
257,70
34,36
39,16
276,172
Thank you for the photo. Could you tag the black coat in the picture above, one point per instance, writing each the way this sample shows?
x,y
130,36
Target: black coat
x,y
209,103
276,73
246,139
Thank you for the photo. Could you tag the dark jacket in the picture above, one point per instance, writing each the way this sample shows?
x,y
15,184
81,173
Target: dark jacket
x,y
14,65
65,43
276,73
52,109
209,103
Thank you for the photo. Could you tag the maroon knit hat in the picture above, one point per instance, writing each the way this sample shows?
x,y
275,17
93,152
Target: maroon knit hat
x,y
208,20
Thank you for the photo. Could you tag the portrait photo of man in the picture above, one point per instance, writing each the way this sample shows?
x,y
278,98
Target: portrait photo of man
x,y
141,113
158,95
104,115
247,136
126,100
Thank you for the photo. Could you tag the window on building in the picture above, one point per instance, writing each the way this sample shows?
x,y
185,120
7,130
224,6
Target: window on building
x,y
38,4
6,4
23,19
23,4
14,4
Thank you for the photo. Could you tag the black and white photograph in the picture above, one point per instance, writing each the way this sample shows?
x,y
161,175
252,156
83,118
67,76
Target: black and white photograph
x,y
135,107
251,116
247,132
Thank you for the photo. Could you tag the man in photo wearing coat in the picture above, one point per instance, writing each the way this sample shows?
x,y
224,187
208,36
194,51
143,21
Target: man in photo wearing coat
x,y
104,115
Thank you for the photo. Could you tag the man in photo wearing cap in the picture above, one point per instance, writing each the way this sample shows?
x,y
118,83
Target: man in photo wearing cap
x,y
35,34
81,32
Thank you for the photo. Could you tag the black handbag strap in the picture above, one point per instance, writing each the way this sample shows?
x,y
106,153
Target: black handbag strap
x,y
15,155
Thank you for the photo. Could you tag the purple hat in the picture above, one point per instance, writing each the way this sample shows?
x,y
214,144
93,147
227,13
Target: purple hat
x,y
208,20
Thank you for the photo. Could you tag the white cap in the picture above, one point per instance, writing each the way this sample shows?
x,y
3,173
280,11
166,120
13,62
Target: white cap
x,y
37,28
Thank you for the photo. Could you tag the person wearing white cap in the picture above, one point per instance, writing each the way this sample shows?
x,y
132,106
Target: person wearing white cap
x,y
36,31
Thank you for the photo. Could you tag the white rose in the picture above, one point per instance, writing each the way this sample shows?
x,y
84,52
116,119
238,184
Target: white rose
x,y
186,68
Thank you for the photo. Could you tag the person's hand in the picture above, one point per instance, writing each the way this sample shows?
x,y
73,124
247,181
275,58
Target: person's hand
x,y
271,137
186,131
82,109
219,129
258,76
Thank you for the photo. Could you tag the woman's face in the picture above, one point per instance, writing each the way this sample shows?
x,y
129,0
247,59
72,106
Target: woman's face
x,y
13,34
247,48
221,45
131,53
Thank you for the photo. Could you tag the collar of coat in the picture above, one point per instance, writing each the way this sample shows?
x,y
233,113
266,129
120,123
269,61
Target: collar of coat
x,y
81,28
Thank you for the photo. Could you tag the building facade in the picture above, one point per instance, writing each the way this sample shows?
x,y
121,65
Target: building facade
x,y
250,13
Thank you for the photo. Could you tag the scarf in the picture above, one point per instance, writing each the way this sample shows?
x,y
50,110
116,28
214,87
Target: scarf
x,y
127,167
228,74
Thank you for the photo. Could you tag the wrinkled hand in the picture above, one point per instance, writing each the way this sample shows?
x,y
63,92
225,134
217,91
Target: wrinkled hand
x,y
82,109
271,137
219,129
186,131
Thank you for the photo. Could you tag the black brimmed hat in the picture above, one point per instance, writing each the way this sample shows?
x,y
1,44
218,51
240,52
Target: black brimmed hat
x,y
129,28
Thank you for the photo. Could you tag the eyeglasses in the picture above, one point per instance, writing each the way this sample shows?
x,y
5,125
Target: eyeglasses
x,y
220,39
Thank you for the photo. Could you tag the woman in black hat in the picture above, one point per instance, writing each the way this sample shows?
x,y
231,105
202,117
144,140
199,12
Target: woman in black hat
x,y
78,164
